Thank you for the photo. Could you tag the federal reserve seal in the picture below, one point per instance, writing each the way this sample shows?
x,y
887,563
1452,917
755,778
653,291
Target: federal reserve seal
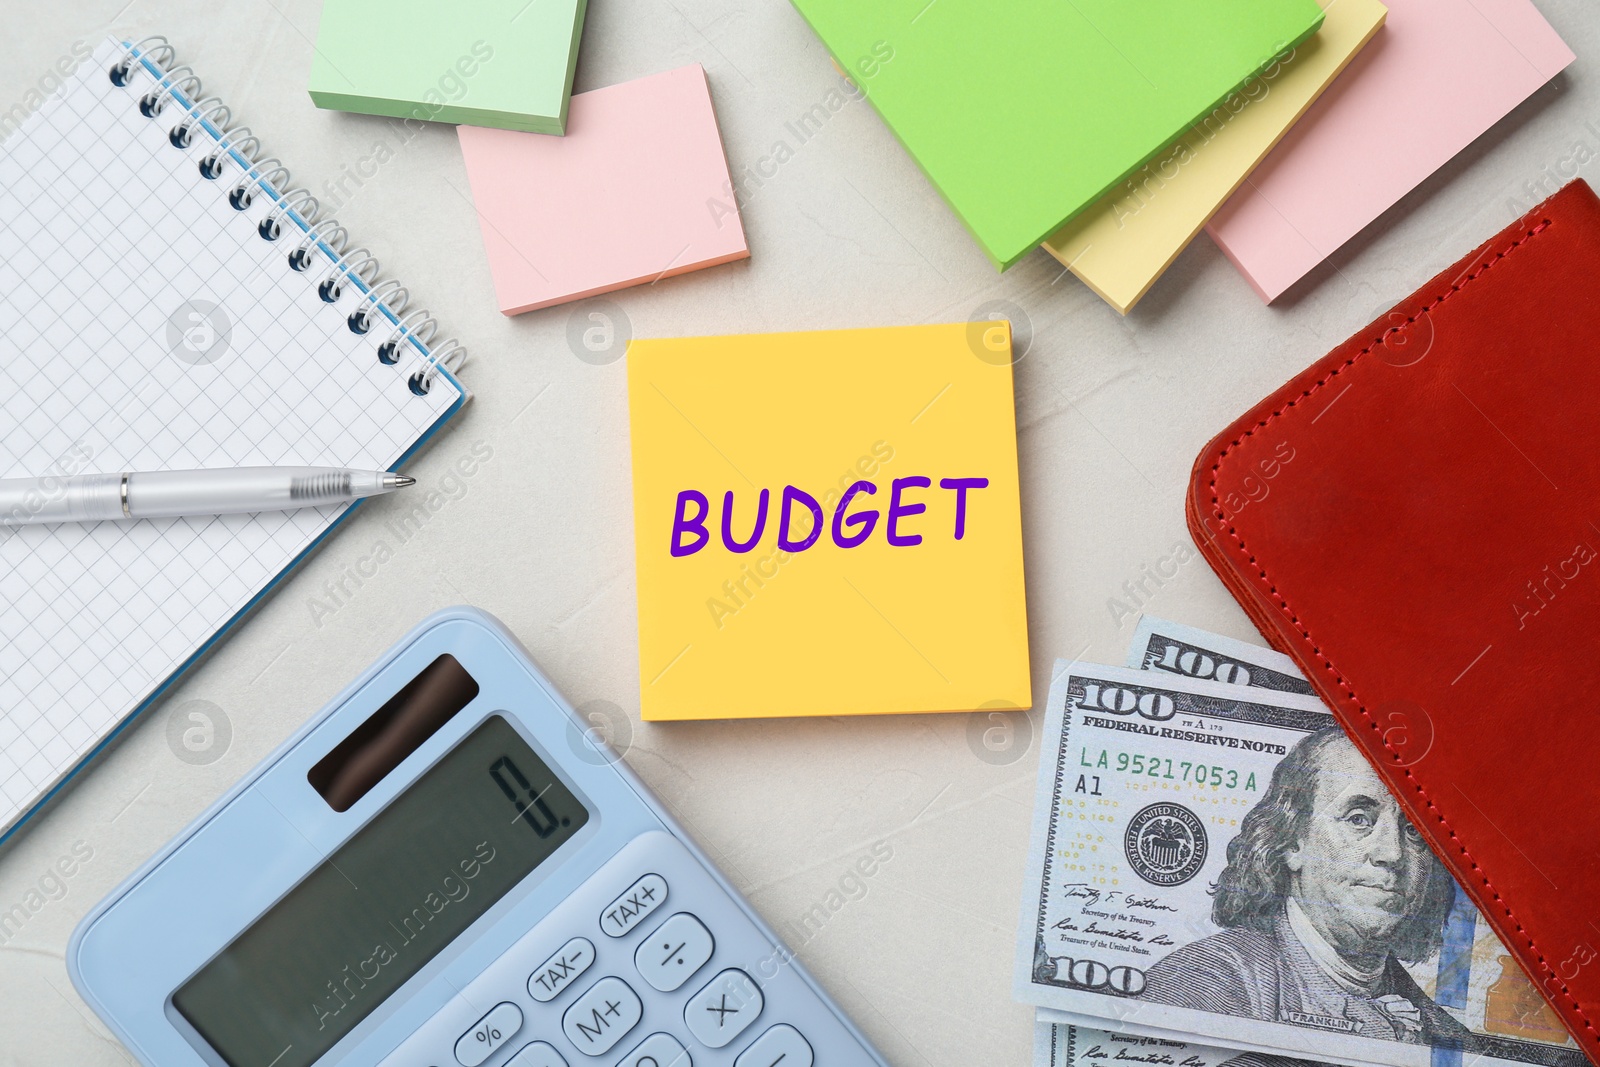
x,y
1165,844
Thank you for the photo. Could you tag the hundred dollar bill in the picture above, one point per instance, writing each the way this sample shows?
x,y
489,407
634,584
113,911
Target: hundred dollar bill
x,y
1177,648
1220,864
1160,645
1067,1045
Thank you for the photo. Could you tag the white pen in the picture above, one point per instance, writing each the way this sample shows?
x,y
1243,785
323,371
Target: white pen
x,y
168,494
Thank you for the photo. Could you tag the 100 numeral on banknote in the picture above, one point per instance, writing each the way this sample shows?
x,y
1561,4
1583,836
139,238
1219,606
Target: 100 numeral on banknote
x,y
1221,861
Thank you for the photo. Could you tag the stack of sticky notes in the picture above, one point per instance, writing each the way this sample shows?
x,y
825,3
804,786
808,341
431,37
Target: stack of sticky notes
x,y
568,217
1446,71
855,549
633,187
1026,113
1123,243
505,63
1126,126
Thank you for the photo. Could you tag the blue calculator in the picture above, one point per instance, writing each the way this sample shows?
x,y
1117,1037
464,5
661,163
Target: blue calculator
x,y
443,869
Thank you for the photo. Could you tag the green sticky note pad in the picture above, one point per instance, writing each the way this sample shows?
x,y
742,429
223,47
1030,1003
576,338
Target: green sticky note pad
x,y
503,63
1024,113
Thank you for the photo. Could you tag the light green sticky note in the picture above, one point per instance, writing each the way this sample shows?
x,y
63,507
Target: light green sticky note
x,y
1023,113
503,63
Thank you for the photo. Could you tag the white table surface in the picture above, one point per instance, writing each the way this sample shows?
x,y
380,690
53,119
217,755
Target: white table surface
x,y
847,232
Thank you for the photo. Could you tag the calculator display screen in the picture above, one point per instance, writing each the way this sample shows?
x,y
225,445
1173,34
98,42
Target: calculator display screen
x,y
383,904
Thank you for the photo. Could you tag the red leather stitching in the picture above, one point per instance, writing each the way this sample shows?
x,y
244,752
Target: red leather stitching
x,y
1316,650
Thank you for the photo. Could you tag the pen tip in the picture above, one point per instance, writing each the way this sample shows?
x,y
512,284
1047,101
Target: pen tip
x,y
397,481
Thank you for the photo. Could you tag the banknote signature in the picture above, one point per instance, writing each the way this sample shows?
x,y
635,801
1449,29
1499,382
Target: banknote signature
x,y
1092,896
1115,933
1101,1054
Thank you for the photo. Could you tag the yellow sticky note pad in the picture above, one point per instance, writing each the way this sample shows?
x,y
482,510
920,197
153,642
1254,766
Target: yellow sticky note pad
x,y
883,573
1123,243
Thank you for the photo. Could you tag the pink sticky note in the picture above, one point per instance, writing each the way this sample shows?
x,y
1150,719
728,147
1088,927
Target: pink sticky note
x,y
637,190
1437,75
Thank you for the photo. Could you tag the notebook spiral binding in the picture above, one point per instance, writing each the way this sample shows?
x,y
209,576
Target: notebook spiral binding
x,y
236,144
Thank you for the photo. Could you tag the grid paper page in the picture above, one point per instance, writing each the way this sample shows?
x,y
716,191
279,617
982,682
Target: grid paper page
x,y
107,233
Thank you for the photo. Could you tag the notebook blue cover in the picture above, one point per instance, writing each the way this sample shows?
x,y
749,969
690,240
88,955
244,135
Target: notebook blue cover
x,y
171,302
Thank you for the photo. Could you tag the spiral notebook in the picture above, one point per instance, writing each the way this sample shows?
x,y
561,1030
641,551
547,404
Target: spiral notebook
x,y
167,301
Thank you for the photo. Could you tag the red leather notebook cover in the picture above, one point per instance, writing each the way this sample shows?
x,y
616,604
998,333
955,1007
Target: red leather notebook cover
x,y
1416,520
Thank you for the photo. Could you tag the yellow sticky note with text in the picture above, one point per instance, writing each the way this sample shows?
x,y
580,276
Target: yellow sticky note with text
x,y
828,523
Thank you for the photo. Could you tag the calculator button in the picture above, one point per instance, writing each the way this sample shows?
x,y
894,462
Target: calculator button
x,y
657,1050
561,970
721,1011
598,1019
537,1054
488,1034
632,907
780,1045
678,948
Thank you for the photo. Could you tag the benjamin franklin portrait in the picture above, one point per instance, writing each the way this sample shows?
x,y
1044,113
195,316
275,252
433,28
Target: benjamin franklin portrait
x,y
1328,889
